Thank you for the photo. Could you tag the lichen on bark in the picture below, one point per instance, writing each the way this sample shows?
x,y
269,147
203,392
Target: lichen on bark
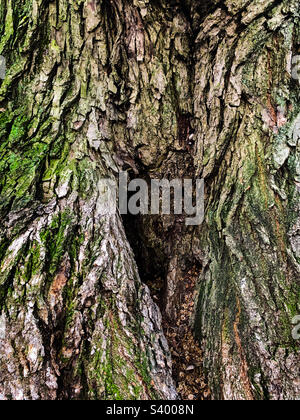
x,y
249,288
76,321
159,89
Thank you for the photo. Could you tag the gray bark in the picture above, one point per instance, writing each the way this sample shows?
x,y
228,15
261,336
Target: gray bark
x,y
160,89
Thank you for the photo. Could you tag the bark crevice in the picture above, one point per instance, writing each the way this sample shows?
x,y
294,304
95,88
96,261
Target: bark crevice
x,y
94,87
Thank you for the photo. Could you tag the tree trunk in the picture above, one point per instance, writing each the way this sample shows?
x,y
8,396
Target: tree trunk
x,y
160,89
247,108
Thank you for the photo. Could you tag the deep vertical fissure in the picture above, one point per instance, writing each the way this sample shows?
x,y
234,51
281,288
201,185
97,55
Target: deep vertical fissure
x,y
173,286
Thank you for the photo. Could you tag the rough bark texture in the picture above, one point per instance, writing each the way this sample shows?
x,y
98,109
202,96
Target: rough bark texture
x,y
247,108
160,89
76,322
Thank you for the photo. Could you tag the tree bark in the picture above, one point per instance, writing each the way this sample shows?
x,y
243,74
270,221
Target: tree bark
x,y
247,108
160,89
76,321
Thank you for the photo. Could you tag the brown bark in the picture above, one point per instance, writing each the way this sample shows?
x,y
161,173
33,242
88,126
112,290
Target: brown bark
x,y
160,89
